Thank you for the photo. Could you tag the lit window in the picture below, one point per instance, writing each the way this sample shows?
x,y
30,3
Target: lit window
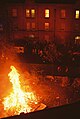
x,y
46,37
77,40
14,12
28,25
32,12
33,25
46,13
27,13
63,13
46,26
77,14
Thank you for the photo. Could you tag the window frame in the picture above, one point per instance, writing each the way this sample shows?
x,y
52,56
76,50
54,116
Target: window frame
x,y
62,26
47,26
47,13
28,27
14,12
33,24
27,13
33,14
1,27
77,15
62,13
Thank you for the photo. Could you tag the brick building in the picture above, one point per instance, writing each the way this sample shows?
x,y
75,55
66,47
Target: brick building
x,y
40,21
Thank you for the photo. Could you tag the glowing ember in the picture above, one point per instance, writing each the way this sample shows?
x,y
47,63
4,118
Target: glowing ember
x,y
18,101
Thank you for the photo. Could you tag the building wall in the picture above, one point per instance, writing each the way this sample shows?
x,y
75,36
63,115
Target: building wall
x,y
61,30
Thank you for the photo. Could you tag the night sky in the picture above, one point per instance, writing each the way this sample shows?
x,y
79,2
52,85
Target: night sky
x,y
41,1
12,1
55,1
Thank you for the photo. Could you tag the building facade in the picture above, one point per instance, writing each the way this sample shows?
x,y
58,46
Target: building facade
x,y
59,23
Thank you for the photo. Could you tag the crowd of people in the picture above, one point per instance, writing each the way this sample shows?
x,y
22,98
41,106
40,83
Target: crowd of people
x,y
47,51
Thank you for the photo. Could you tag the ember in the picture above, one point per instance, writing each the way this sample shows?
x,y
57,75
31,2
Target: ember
x,y
18,101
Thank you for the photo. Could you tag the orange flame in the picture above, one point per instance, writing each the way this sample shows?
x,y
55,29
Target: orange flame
x,y
18,101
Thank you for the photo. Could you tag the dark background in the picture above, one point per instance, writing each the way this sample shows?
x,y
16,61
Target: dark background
x,y
56,1
41,1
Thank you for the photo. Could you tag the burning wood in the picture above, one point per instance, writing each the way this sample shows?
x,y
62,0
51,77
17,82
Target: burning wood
x,y
19,101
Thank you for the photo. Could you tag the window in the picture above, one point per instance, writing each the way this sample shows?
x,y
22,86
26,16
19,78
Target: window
x,y
46,26
32,12
27,13
46,13
63,13
1,27
33,25
77,14
14,12
62,26
28,25
77,40
77,26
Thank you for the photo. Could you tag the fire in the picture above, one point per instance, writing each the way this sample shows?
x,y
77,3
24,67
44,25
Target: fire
x,y
18,101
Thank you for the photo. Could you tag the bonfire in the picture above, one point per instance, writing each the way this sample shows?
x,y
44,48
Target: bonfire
x,y
18,100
